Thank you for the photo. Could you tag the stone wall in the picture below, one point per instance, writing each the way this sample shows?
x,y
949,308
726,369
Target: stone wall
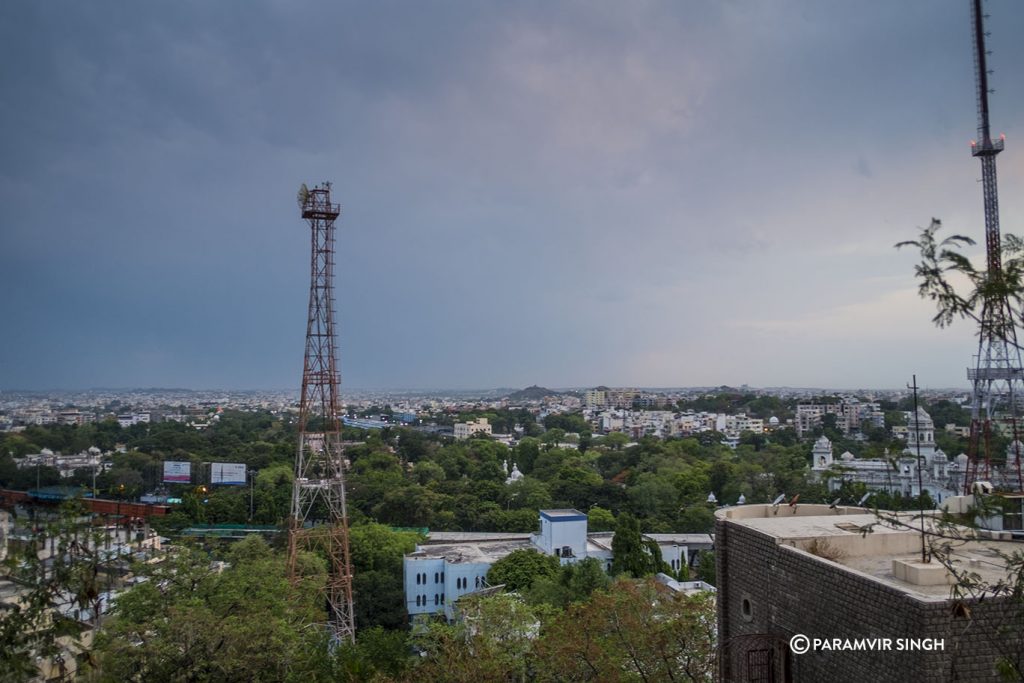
x,y
769,592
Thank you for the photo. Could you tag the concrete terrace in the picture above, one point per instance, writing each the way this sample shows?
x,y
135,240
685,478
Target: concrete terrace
x,y
858,541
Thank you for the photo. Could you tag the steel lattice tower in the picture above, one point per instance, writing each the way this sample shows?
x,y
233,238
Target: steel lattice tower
x,y
997,378
319,521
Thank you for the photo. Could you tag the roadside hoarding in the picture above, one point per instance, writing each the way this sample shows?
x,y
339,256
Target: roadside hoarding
x,y
177,472
230,473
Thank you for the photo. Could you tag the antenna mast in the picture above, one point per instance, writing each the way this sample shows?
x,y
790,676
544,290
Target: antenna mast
x,y
319,521
997,378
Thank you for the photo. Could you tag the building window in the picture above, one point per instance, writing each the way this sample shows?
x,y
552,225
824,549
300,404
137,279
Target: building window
x,y
417,579
747,609
437,599
437,577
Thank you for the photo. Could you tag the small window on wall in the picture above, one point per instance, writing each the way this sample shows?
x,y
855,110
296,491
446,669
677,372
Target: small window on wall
x,y
746,609
437,599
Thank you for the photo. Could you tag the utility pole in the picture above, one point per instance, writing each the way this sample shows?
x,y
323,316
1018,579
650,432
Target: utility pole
x,y
252,485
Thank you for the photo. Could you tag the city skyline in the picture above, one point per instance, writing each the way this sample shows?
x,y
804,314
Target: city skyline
x,y
662,195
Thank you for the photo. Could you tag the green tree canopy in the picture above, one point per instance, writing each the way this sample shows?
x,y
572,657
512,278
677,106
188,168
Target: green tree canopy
x,y
632,554
520,568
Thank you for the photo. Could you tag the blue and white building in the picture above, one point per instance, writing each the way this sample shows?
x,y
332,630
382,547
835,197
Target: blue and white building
x,y
449,565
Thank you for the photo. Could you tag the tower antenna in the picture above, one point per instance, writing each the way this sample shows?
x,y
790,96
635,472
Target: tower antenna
x,y
319,520
997,378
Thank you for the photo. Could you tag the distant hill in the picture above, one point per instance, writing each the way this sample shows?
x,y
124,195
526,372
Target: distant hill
x,y
533,393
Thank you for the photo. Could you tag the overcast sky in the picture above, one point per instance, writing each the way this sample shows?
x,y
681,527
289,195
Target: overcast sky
x,y
563,193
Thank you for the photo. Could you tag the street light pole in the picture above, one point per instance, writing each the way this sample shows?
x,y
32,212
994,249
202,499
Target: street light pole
x,y
252,484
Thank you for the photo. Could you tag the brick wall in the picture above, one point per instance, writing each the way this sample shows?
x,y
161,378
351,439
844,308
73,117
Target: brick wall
x,y
788,591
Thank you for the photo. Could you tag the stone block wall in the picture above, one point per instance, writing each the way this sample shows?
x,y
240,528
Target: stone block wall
x,y
769,592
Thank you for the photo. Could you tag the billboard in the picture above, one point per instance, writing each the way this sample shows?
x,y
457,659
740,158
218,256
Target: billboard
x,y
177,472
227,473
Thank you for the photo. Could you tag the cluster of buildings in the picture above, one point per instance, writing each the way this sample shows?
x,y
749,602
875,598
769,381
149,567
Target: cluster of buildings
x,y
850,413
133,406
920,467
91,460
113,548
665,423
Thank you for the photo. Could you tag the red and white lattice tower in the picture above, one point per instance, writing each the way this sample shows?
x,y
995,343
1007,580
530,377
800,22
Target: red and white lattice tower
x,y
998,377
319,521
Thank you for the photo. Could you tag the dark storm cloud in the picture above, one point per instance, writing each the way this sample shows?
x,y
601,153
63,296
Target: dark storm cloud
x,y
567,193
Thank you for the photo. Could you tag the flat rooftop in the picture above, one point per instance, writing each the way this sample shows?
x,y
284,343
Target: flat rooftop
x,y
470,552
859,541
683,539
472,536
555,514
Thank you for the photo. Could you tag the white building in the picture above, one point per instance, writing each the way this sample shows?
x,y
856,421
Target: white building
x,y
464,430
850,415
899,474
90,460
451,564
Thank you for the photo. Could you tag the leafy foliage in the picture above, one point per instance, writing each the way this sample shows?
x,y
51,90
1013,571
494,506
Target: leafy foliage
x,y
51,587
519,569
942,264
194,620
633,631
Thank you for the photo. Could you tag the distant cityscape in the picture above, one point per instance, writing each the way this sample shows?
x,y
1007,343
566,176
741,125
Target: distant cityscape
x,y
195,406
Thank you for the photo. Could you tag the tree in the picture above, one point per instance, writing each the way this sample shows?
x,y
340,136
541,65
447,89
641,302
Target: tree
x,y
377,655
38,625
615,441
706,567
599,519
575,582
189,621
941,274
631,553
634,631
520,568
378,592
491,641
942,260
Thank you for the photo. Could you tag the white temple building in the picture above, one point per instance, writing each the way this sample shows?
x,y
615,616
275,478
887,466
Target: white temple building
x,y
897,475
